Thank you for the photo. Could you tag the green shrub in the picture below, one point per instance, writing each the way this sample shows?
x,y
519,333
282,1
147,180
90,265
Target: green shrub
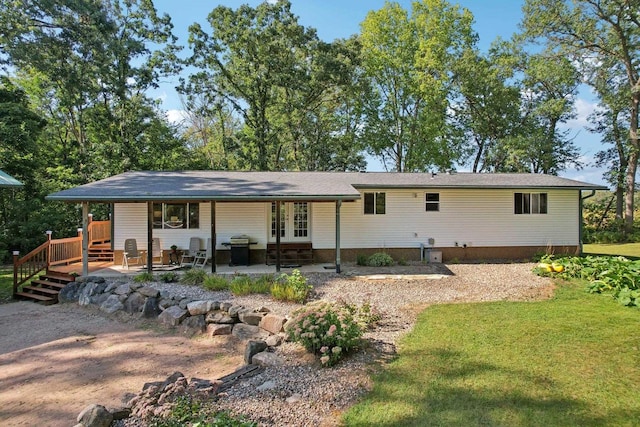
x,y
365,315
241,285
291,287
263,284
325,329
380,259
194,276
188,411
362,259
403,261
615,275
143,277
169,277
216,283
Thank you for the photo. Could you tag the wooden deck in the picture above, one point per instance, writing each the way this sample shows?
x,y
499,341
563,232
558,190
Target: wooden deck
x,y
77,267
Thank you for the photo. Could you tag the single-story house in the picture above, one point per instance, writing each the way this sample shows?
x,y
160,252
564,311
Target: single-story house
x,y
339,215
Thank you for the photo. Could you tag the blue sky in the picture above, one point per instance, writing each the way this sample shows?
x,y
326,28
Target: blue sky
x,y
339,19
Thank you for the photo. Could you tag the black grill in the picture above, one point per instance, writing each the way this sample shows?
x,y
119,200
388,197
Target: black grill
x,y
240,254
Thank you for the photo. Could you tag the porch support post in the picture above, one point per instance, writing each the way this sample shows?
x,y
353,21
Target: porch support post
x,y
213,236
85,238
278,236
149,237
338,206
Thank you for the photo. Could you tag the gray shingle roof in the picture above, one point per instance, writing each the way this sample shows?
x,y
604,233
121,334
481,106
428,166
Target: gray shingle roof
x,y
7,180
255,186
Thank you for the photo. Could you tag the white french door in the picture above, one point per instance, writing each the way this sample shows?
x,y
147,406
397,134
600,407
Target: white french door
x,y
294,222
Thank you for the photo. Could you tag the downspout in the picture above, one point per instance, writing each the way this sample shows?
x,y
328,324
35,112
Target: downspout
x,y
581,221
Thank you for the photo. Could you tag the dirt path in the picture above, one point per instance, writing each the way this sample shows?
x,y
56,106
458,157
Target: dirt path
x,y
55,360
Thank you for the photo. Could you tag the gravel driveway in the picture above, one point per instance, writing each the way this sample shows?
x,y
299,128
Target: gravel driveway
x,y
57,359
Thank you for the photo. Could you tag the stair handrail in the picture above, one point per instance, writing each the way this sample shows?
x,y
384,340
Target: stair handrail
x,y
99,231
31,264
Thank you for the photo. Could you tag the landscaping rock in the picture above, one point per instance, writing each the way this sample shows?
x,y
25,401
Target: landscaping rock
x,y
120,413
219,317
193,325
148,291
274,340
184,303
198,307
266,358
111,304
225,306
214,329
95,279
133,304
269,385
124,289
253,347
95,416
234,310
71,292
250,317
150,308
248,332
172,316
272,323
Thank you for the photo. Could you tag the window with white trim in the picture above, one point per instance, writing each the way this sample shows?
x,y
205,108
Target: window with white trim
x,y
375,203
432,202
176,215
530,203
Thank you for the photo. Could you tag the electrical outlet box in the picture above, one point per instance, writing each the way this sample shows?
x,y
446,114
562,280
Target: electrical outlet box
x,y
435,256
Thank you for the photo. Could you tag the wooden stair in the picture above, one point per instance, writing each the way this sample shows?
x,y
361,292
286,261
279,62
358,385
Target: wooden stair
x,y
45,289
101,252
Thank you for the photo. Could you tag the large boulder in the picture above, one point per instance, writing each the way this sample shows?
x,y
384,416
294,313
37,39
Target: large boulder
x,y
248,332
134,302
148,291
193,325
173,316
196,308
111,304
95,416
220,317
214,329
250,317
124,289
151,308
266,358
272,323
253,347
71,292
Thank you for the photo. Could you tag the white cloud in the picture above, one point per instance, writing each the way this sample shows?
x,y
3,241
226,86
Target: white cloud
x,y
583,110
175,117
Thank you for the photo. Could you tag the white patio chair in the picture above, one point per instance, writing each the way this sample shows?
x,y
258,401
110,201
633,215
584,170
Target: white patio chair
x,y
188,258
202,257
156,250
131,253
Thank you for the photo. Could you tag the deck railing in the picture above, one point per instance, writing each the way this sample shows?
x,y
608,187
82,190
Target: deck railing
x,y
56,252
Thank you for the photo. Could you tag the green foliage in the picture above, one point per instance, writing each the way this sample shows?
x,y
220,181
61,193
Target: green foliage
x,y
194,276
364,315
403,261
169,277
241,285
327,330
617,276
380,259
291,287
190,412
216,283
362,259
143,277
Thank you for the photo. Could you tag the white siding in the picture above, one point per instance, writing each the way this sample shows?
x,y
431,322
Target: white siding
x,y
130,221
471,217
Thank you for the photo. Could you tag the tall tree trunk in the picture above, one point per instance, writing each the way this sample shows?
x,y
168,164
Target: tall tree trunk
x,y
633,161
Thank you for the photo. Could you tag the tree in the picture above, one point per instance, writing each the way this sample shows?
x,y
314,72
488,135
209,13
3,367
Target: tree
x,y
591,33
408,59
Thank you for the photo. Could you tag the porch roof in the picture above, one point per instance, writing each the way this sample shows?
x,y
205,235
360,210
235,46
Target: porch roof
x,y
7,180
310,186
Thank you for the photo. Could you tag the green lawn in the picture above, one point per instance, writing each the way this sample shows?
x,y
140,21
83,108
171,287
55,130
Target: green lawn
x,y
6,283
625,249
570,361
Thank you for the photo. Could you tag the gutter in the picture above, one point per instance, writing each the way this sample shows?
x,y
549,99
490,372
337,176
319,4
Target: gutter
x,y
581,221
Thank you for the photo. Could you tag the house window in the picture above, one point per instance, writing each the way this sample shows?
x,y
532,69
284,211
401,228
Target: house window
x,y
530,203
432,202
375,203
176,215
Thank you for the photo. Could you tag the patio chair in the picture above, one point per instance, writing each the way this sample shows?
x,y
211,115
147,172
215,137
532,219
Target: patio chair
x,y
188,258
131,253
202,257
156,250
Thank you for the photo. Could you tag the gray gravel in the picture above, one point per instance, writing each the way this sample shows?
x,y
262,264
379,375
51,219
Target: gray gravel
x,y
302,393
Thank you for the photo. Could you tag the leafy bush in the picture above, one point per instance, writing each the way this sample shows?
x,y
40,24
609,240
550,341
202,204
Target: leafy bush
x,y
380,259
291,287
169,277
143,277
188,411
263,284
365,315
215,283
616,275
362,259
194,276
241,285
325,329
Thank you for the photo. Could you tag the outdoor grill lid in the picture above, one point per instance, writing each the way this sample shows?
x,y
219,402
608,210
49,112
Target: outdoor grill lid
x,y
239,239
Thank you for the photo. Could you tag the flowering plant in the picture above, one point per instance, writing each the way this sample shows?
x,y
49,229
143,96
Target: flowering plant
x,y
325,329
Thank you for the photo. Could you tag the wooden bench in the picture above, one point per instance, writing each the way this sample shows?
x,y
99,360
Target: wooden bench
x,y
291,253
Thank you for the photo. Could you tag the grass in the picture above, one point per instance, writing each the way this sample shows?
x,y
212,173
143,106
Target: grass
x,y
572,360
624,249
6,283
